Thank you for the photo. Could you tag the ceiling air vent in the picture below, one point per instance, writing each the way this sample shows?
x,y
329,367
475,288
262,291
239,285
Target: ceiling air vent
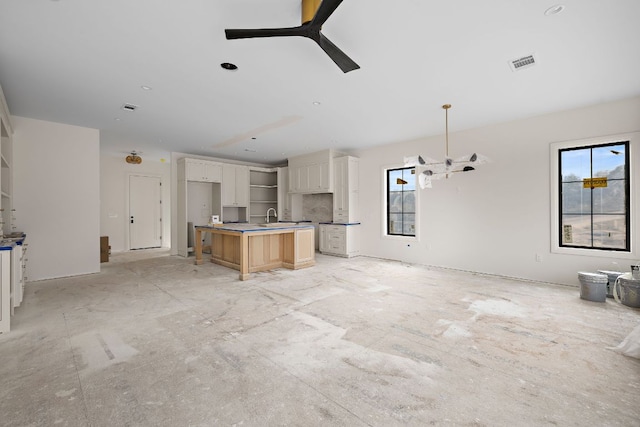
x,y
524,62
129,107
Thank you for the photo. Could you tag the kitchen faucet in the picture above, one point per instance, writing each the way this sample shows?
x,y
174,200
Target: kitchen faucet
x,y
275,214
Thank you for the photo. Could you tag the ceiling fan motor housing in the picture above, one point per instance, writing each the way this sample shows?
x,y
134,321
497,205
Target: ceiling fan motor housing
x,y
309,8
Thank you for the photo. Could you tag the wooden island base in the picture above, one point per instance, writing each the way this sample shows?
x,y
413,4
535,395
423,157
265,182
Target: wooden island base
x,y
250,249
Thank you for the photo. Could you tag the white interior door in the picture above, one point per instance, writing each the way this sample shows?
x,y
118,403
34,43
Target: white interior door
x,y
145,212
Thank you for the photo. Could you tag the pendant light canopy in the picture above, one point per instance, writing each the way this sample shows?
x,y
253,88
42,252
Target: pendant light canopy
x,y
431,169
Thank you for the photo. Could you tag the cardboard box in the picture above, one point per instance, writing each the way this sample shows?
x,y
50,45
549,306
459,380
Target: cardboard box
x,y
105,249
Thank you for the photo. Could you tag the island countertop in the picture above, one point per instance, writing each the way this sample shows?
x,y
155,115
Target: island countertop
x,y
247,227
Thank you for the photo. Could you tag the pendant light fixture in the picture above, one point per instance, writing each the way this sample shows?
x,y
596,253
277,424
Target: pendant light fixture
x,y
133,158
431,169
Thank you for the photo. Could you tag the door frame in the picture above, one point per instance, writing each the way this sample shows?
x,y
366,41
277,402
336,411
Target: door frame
x,y
127,234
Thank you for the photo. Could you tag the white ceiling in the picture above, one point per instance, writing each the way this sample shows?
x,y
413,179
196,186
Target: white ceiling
x,y
79,61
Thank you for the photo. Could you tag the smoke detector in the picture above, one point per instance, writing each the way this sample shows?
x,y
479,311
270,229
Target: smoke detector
x,y
523,62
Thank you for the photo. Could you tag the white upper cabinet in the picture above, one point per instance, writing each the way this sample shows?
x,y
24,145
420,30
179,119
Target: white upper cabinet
x,y
284,198
202,171
346,195
235,185
311,173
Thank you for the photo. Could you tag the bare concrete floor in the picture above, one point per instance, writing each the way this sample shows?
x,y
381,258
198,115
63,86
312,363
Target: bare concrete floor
x,y
163,342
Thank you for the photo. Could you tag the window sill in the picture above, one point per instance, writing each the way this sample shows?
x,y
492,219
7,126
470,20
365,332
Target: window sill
x,y
596,253
400,238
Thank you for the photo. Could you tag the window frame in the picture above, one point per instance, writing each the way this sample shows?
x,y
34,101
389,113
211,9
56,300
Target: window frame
x,y
627,205
385,206
632,204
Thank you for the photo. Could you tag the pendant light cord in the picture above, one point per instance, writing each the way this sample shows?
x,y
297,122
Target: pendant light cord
x,y
446,127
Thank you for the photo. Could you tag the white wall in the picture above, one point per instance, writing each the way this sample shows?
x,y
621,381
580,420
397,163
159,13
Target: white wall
x,y
114,193
56,196
497,218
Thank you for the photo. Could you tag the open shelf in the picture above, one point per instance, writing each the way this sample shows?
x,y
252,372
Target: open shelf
x,y
263,193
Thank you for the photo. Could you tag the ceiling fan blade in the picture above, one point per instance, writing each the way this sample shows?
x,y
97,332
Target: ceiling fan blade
x,y
326,8
341,59
264,32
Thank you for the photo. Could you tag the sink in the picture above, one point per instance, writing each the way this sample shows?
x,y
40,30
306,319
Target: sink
x,y
278,224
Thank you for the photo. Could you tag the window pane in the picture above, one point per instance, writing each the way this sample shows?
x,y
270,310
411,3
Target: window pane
x,y
609,231
610,199
576,164
576,230
608,161
395,202
394,175
409,202
409,225
575,198
395,223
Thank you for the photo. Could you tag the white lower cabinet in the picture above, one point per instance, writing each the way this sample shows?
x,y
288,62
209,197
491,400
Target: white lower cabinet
x,y
339,239
5,290
17,273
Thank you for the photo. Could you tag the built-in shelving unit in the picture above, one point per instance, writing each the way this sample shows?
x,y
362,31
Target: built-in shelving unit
x,y
263,193
7,291
6,175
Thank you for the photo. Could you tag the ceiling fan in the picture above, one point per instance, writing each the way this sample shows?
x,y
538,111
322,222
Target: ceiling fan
x,y
314,14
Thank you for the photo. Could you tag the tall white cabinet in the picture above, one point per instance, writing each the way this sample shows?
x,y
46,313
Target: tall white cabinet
x,y
289,204
199,196
341,237
346,195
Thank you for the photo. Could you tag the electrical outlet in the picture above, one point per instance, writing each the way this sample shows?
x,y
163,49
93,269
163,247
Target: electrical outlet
x,y
538,258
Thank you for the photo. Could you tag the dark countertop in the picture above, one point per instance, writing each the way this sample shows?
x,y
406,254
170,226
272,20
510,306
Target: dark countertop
x,y
246,227
9,242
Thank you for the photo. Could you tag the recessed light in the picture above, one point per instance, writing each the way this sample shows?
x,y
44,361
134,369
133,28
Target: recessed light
x,y
143,87
554,10
229,66
316,103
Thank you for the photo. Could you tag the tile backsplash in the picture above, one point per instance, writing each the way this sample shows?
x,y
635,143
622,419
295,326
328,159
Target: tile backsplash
x,y
317,207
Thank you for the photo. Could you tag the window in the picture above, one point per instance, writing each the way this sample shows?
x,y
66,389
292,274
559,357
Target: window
x,y
594,204
401,202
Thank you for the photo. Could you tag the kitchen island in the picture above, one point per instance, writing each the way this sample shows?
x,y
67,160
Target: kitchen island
x,y
253,247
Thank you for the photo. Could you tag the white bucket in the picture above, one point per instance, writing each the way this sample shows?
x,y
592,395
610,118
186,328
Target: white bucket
x,y
627,290
593,286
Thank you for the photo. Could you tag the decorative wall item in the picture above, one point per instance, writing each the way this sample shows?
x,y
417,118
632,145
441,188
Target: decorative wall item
x,y
431,169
